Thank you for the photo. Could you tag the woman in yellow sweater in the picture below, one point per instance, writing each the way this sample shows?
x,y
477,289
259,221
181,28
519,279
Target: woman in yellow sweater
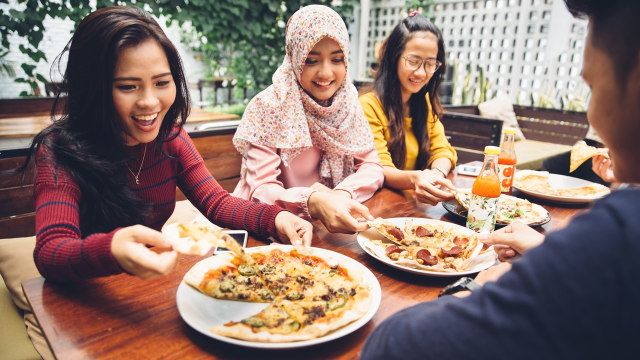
x,y
403,111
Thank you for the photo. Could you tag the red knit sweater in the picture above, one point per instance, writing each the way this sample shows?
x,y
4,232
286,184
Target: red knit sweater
x,y
63,254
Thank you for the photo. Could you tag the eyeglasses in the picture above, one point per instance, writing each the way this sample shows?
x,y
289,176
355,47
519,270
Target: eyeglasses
x,y
414,63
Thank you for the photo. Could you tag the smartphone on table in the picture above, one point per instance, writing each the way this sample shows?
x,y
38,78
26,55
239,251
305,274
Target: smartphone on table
x,y
238,235
469,170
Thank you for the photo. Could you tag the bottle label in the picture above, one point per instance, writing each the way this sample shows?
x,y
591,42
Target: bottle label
x,y
481,217
506,173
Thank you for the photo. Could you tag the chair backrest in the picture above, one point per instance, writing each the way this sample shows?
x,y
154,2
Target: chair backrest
x,y
469,134
551,125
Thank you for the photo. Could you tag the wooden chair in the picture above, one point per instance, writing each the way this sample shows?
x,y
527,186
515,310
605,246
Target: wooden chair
x,y
469,134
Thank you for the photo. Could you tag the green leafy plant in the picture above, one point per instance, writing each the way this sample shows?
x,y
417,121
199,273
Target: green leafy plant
x,y
244,37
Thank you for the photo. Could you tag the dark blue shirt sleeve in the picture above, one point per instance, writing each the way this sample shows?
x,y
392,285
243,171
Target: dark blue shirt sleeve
x,y
575,296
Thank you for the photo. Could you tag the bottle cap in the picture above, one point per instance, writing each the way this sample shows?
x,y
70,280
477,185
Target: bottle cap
x,y
510,131
492,150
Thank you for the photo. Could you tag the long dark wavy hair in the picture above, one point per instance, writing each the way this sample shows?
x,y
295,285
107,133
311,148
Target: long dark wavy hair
x,y
87,138
388,88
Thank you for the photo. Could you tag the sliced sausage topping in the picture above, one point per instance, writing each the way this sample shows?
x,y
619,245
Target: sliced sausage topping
x,y
423,232
392,249
461,241
395,232
426,257
454,251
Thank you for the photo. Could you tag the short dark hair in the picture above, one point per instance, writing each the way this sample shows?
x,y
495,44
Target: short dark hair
x,y
615,25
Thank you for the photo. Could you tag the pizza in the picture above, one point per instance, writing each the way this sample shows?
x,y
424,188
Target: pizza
x,y
510,208
426,244
581,152
198,237
538,182
309,292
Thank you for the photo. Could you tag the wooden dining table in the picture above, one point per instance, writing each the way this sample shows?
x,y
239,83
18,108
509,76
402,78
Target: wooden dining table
x,y
122,316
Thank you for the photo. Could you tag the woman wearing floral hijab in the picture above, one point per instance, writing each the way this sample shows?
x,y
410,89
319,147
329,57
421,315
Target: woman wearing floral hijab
x,y
305,142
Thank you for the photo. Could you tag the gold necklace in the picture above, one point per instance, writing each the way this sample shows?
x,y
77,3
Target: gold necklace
x,y
135,176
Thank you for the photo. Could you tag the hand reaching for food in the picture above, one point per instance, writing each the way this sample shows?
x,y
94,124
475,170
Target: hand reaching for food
x,y
129,248
513,239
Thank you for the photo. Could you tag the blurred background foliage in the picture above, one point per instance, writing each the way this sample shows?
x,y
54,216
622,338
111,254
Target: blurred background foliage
x,y
239,38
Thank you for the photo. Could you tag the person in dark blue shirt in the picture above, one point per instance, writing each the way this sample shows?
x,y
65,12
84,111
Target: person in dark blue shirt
x,y
575,295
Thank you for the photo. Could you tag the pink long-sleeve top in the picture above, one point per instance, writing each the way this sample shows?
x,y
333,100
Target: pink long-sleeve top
x,y
267,178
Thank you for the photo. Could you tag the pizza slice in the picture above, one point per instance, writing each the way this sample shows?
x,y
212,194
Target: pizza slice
x,y
199,236
272,324
581,152
225,277
390,231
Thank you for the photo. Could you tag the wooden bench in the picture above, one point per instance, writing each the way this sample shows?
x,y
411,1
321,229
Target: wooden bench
x,y
17,216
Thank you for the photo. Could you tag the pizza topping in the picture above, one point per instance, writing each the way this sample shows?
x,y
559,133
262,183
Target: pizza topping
x,y
423,232
460,241
426,257
246,270
293,326
313,313
266,268
253,322
395,232
337,301
266,294
454,251
227,286
294,295
392,249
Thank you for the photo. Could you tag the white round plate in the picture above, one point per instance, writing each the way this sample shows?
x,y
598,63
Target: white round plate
x,y
202,312
562,181
481,262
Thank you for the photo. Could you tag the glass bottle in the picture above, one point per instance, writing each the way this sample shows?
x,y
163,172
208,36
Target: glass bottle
x,y
507,161
485,192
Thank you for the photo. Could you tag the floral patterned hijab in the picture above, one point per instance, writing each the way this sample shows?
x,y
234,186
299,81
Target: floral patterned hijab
x,y
284,116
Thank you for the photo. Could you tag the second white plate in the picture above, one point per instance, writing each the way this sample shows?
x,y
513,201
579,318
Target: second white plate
x,y
481,262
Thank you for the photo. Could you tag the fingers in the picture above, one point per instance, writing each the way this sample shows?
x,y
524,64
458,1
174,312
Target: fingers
x,y
358,209
148,236
435,190
306,233
500,237
504,253
446,183
432,192
349,224
148,264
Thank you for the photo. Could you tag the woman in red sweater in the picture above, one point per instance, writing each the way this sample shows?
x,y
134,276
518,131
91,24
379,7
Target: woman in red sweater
x,y
108,168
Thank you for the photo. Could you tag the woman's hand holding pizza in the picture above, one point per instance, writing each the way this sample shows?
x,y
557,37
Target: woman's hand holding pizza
x,y
514,239
294,229
129,247
432,187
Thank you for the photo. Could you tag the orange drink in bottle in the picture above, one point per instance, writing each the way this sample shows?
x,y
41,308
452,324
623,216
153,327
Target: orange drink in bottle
x,y
507,161
485,192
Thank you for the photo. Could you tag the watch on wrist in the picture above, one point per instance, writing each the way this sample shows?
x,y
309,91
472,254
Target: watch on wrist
x,y
463,284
